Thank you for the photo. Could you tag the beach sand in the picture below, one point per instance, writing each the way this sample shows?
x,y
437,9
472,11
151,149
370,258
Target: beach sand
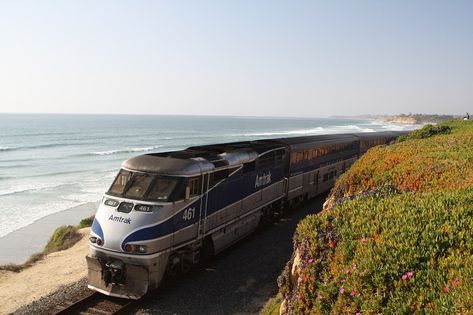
x,y
46,276
19,245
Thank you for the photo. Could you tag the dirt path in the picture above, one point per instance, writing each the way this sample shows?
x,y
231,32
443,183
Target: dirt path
x,y
46,276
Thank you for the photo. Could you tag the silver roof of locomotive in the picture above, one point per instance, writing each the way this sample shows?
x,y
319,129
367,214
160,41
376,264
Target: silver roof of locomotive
x,y
166,165
187,162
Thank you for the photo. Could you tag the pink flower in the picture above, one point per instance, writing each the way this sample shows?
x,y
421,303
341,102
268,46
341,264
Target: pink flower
x,y
404,277
342,290
342,280
410,274
352,293
310,260
320,297
357,313
353,267
347,271
446,289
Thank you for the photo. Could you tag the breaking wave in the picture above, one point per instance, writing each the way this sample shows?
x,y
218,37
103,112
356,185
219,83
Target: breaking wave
x,y
38,146
129,150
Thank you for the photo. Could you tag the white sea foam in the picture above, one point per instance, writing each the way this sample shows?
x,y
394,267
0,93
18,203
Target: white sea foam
x,y
5,148
310,131
128,150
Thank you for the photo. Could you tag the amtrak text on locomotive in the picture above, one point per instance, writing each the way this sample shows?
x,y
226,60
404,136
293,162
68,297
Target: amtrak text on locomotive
x,y
119,219
263,179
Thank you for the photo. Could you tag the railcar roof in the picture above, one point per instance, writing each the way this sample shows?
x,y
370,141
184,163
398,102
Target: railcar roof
x,y
258,146
299,142
376,134
197,159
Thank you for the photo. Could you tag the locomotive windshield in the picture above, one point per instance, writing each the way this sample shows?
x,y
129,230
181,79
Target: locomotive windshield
x,y
146,186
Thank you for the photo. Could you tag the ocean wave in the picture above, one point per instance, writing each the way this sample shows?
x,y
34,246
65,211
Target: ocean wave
x,y
52,174
316,130
311,131
38,146
349,128
129,150
41,134
29,189
14,166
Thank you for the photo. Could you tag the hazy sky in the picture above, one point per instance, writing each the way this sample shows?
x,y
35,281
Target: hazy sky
x,y
269,58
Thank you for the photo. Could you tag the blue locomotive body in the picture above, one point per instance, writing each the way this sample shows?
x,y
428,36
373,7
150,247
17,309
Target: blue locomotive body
x,y
168,210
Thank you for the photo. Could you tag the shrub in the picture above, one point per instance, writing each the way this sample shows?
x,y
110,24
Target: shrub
x,y
63,238
409,253
272,306
87,222
19,267
429,164
426,132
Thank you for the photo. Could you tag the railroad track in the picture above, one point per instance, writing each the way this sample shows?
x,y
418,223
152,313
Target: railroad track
x,y
96,304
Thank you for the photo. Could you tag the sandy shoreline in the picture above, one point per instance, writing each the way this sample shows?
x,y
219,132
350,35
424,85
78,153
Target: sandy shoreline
x,y
19,245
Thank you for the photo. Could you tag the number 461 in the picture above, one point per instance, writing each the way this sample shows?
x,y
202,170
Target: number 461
x,y
188,214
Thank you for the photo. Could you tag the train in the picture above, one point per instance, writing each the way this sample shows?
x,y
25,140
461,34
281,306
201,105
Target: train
x,y
166,211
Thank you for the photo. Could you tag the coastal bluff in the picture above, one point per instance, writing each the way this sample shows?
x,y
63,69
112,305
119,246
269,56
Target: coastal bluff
x,y
406,119
417,119
394,235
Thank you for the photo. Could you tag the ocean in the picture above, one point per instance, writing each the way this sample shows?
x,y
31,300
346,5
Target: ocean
x,y
52,163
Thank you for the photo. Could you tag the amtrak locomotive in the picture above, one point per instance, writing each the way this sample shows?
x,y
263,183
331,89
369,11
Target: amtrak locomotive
x,y
166,211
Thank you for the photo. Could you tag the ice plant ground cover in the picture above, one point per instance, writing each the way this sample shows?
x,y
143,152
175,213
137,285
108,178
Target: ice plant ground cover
x,y
400,236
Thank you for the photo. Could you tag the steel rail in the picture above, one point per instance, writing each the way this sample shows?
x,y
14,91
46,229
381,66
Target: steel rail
x,y
96,304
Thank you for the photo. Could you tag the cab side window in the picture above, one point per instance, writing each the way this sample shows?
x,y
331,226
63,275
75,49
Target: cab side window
x,y
194,186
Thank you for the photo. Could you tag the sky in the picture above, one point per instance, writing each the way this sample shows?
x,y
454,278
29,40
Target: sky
x,y
236,58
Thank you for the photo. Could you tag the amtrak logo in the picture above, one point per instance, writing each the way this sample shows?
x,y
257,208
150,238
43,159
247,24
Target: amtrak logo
x,y
119,219
262,180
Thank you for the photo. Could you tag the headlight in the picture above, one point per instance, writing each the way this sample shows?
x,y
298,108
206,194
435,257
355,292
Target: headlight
x,y
96,240
141,249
